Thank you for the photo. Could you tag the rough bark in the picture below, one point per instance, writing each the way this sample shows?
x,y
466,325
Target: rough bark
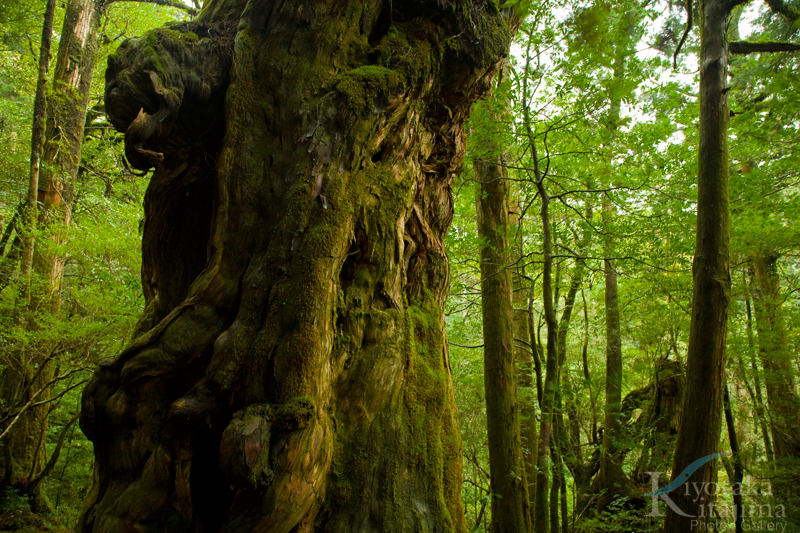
x,y
701,421
509,487
658,423
290,371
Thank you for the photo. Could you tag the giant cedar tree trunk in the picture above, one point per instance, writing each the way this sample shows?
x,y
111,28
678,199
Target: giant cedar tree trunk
x,y
509,487
701,420
290,371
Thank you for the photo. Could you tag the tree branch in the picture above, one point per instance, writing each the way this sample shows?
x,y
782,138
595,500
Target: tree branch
x,y
51,464
475,346
689,8
744,47
167,3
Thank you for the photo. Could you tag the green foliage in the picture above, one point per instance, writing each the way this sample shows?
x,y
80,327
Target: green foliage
x,y
622,128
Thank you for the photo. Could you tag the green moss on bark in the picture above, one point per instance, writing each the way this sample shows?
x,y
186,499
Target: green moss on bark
x,y
294,414
361,87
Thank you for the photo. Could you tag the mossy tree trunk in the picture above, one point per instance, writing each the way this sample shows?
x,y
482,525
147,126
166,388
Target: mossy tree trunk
x,y
755,392
290,371
612,482
701,419
60,158
524,346
776,358
509,487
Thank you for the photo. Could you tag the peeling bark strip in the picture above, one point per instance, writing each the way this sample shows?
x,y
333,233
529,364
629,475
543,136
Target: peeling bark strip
x,y
290,371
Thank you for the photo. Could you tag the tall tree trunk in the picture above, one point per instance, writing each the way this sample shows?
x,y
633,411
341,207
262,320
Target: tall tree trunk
x,y
510,505
779,377
701,421
60,158
612,481
586,375
291,371
37,138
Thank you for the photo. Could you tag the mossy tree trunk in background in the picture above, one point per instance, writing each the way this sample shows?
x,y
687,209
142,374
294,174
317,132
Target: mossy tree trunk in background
x,y
701,419
612,482
60,160
509,487
290,371
776,358
755,392
524,346
563,452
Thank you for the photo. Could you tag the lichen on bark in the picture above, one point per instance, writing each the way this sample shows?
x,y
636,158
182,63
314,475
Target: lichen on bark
x,y
290,373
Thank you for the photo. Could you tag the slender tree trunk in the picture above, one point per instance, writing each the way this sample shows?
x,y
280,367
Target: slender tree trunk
x,y
612,479
701,421
738,470
510,505
556,460
37,138
536,346
295,376
542,508
561,451
586,374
